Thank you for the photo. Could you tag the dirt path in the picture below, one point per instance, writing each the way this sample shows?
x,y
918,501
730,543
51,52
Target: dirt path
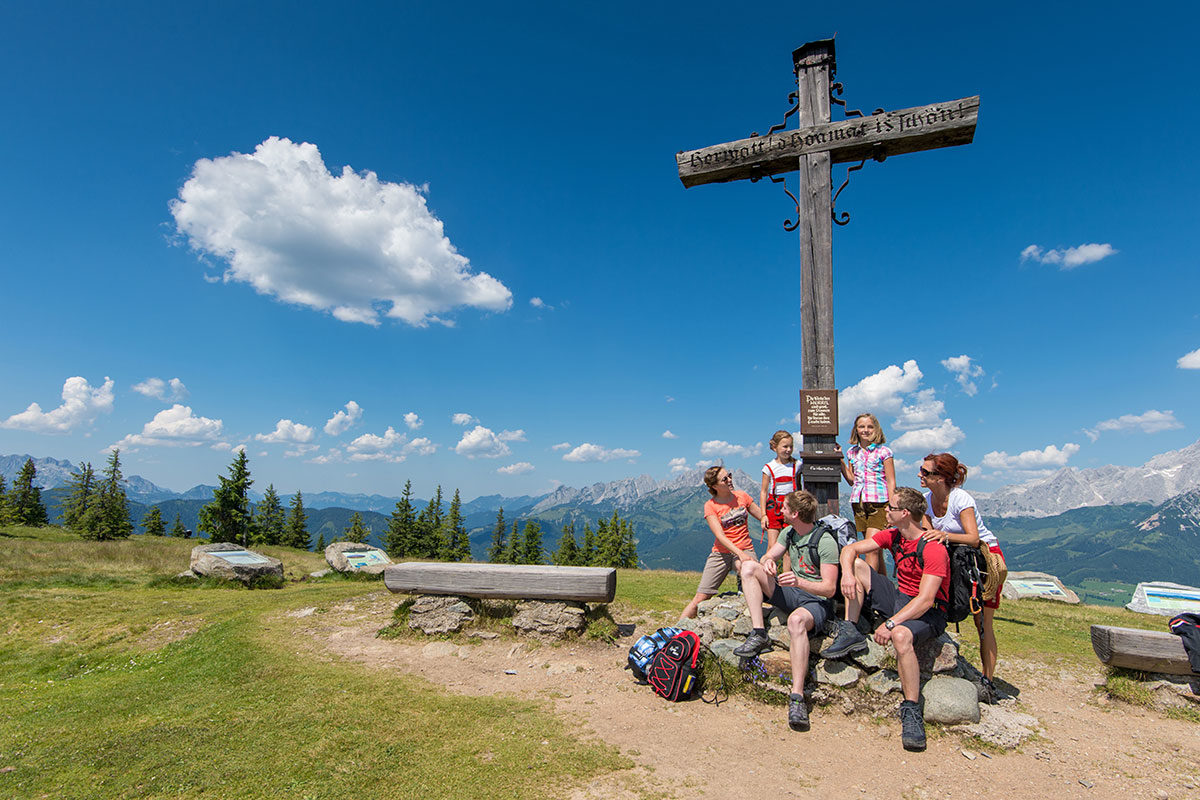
x,y
1090,748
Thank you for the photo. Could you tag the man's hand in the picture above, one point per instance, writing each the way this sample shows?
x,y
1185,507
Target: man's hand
x,y
788,579
882,635
768,564
849,585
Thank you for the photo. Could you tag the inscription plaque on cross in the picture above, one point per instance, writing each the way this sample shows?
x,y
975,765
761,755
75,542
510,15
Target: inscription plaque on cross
x,y
811,149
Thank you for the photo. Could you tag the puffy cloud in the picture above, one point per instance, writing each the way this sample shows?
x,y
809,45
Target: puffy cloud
x,y
481,442
167,391
342,421
462,418
1189,361
520,468
1070,258
421,446
1050,456
924,411
964,372
392,447
177,426
718,447
669,435
561,446
588,452
1150,422
678,465
287,431
412,421
81,404
930,440
371,443
882,391
511,436
349,244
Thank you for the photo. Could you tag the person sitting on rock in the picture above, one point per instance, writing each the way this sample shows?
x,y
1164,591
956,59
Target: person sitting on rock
x,y
914,611
804,594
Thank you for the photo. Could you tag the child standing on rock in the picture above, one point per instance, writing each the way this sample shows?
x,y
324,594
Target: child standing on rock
x,y
869,467
778,481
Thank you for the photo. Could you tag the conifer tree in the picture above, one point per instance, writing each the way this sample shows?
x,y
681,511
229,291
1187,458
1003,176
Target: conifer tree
x,y
177,529
430,540
357,532
496,550
401,531
458,545
567,554
531,545
512,550
587,557
81,495
5,517
111,509
227,518
269,518
296,532
153,523
25,500
320,546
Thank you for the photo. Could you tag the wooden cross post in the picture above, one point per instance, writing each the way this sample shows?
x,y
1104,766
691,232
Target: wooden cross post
x,y
812,148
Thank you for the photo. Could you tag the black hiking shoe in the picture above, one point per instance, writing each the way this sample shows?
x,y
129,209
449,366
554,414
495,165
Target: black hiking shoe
x,y
912,726
987,691
755,643
797,713
848,640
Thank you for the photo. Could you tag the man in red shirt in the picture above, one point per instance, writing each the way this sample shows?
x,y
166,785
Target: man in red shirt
x,y
914,611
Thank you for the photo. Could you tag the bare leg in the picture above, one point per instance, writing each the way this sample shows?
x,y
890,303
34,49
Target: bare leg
x,y
906,663
800,622
862,574
988,650
756,586
772,538
874,559
690,611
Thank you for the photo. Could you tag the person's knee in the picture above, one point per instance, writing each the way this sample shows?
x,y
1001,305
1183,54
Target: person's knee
x,y
749,569
902,640
800,622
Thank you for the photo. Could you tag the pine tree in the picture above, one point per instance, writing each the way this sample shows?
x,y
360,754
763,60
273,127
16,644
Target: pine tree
x,y
111,508
25,500
401,530
430,541
628,557
81,495
296,532
587,557
227,518
531,544
320,546
567,554
177,529
357,532
153,523
512,550
5,517
269,519
495,553
458,546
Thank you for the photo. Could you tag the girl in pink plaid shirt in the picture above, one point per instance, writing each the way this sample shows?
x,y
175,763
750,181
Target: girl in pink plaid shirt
x,y
869,468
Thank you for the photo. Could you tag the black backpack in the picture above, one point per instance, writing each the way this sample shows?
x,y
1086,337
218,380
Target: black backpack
x,y
674,671
968,569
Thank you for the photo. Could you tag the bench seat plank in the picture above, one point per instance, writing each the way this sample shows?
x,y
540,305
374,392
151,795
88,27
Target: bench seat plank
x,y
509,581
1148,651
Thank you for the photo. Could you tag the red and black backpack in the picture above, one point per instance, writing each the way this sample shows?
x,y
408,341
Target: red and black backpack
x,y
674,672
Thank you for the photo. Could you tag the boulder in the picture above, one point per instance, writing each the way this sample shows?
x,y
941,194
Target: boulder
x,y
883,681
550,619
232,562
434,614
838,673
937,655
1026,584
356,557
874,657
951,701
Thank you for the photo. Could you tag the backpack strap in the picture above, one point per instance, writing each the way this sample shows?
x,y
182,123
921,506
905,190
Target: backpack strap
x,y
819,530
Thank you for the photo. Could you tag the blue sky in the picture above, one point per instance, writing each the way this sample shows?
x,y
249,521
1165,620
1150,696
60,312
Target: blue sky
x,y
508,288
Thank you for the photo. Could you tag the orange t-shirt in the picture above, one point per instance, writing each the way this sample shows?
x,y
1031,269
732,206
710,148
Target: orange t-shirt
x,y
734,519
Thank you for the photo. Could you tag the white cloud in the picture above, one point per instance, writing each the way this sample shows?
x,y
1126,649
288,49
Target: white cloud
x,y
81,404
520,468
332,456
678,465
588,452
538,302
342,421
561,446
392,447
669,435
964,372
371,443
287,431
930,440
463,419
422,447
481,442
924,411
177,426
167,391
1150,422
1189,361
1050,456
879,392
301,450
511,436
349,244
412,421
718,447
1070,258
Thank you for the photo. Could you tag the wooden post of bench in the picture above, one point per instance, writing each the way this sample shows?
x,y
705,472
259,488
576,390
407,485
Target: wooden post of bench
x,y
504,581
1147,651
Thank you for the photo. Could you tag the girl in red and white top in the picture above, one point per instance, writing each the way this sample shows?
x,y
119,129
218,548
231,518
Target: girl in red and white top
x,y
779,479
728,514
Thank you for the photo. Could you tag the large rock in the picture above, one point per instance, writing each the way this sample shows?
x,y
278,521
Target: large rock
x,y
838,673
951,701
356,557
937,655
1026,584
233,562
434,614
550,619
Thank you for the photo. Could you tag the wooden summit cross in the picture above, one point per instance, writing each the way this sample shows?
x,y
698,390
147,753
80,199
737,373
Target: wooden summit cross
x,y
812,148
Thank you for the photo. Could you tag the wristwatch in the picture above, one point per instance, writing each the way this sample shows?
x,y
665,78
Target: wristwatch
x,y
889,624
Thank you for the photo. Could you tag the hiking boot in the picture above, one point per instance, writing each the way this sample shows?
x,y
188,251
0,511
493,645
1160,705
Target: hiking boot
x,y
912,726
987,691
849,640
797,713
755,643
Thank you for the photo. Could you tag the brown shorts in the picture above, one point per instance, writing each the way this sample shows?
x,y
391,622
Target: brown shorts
x,y
716,568
869,515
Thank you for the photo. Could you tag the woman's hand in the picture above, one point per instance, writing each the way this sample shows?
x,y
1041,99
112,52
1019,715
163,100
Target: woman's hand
x,y
935,536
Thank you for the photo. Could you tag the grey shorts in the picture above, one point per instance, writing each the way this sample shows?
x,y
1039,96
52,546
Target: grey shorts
x,y
788,598
716,568
886,599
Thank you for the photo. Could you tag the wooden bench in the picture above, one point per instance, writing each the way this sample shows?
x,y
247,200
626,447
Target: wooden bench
x,y
505,581
1148,651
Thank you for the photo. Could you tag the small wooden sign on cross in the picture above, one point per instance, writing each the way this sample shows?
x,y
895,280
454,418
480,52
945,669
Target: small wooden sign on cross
x,y
812,148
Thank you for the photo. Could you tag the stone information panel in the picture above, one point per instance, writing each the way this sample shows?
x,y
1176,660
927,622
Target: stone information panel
x,y
241,557
366,558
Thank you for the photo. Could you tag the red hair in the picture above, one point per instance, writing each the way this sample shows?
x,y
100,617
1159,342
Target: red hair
x,y
947,466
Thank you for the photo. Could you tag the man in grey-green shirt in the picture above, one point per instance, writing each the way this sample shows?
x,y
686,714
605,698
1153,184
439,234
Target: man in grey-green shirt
x,y
804,594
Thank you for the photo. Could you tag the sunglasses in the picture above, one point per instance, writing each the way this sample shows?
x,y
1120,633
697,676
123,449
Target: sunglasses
x,y
893,508
924,473
727,479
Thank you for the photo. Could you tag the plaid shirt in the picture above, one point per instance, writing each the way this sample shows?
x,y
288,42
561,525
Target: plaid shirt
x,y
870,484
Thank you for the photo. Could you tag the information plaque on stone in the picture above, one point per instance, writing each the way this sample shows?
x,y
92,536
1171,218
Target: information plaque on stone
x,y
365,558
818,412
240,557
